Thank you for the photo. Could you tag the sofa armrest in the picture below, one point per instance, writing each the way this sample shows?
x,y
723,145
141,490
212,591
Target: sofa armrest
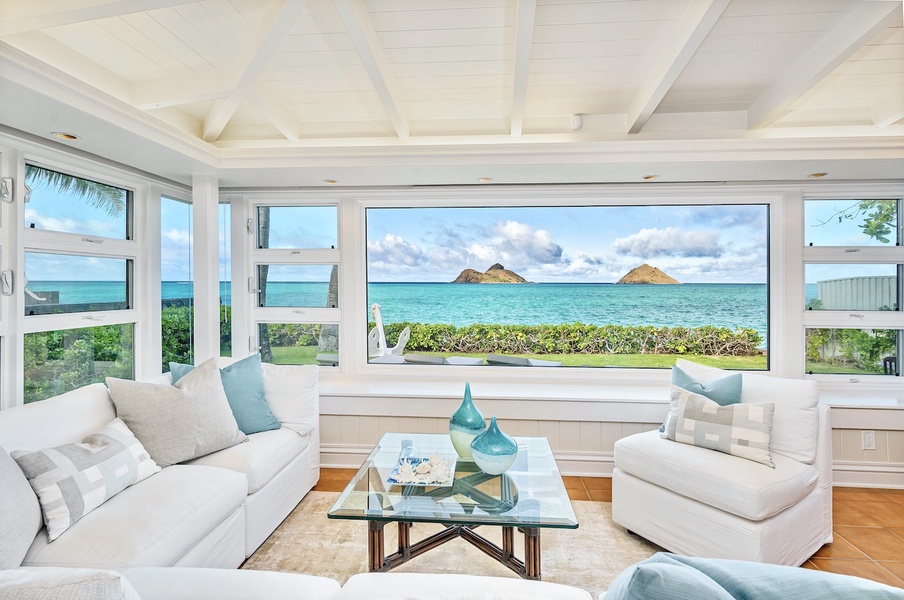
x,y
293,395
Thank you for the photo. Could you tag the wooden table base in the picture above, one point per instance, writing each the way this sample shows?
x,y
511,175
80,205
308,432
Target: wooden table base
x,y
529,568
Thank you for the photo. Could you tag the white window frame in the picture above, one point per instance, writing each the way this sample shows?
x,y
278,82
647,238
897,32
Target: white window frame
x,y
847,384
246,257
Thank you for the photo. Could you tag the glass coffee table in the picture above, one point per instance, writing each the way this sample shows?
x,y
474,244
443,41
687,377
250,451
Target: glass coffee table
x,y
529,497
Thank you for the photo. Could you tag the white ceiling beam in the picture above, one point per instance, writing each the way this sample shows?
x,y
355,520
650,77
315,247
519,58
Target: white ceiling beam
x,y
863,24
361,30
20,17
888,112
278,18
693,28
524,37
274,110
180,89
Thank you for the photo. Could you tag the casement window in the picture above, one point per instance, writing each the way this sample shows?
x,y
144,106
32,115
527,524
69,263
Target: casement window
x,y
79,281
854,283
293,288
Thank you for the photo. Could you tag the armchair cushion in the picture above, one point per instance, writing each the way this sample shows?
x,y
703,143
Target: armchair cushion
x,y
660,578
20,513
292,393
794,425
726,482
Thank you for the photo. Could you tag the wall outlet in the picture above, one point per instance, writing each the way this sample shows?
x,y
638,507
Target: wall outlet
x,y
869,439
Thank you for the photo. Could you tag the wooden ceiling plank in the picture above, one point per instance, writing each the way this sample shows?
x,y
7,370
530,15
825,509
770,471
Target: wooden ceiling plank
x,y
177,90
524,34
888,112
33,16
274,110
276,21
864,23
693,28
364,37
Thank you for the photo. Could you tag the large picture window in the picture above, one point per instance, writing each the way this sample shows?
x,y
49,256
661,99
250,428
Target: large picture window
x,y
584,286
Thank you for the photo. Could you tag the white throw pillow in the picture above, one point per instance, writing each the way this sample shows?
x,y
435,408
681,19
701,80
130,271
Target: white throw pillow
x,y
178,422
796,421
293,395
73,479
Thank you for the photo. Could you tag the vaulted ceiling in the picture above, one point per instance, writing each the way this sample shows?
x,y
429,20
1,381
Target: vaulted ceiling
x,y
239,88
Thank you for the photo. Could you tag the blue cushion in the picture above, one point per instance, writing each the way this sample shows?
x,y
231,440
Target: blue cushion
x,y
661,578
723,391
243,382
758,581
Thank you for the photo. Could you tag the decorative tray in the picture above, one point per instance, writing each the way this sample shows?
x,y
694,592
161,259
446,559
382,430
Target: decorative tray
x,y
433,471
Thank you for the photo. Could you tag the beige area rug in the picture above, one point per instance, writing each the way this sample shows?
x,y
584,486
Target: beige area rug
x,y
588,557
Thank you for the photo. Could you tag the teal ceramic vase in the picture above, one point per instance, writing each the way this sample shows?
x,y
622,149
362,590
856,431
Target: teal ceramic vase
x,y
494,451
465,424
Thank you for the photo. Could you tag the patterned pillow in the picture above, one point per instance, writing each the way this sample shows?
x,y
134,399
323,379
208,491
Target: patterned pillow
x,y
741,430
73,479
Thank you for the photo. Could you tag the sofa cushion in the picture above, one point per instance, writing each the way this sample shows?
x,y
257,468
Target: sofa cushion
x,y
658,578
433,586
152,523
737,486
293,395
776,582
73,479
53,583
795,424
176,423
192,583
738,429
261,457
244,386
20,513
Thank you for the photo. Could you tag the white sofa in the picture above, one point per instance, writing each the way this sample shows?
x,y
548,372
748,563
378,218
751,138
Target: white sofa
x,y
698,502
213,511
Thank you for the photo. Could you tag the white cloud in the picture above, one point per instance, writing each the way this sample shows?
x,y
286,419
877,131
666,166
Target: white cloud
x,y
671,241
394,254
69,225
516,245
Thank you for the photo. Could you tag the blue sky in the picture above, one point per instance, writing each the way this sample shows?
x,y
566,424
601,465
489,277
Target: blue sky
x,y
722,243
693,244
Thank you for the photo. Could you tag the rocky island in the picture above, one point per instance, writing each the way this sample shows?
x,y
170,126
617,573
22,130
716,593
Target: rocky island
x,y
495,274
647,274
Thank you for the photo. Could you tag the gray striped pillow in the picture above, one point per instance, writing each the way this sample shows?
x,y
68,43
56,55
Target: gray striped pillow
x,y
742,430
73,479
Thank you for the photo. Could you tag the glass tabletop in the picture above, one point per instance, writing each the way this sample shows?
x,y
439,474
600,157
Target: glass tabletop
x,y
529,494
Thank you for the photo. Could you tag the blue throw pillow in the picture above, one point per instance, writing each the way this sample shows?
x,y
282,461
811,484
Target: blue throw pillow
x,y
243,382
661,578
723,391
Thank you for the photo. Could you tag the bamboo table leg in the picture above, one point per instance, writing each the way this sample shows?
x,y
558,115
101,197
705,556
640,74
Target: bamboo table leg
x,y
375,549
531,553
405,540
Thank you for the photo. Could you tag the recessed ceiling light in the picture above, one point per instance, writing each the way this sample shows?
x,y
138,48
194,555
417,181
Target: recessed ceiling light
x,y
816,175
650,177
485,179
331,181
64,136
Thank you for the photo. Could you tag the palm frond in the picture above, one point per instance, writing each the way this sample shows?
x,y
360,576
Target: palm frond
x,y
100,195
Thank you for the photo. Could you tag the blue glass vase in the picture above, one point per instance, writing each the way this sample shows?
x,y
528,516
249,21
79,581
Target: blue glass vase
x,y
494,451
465,424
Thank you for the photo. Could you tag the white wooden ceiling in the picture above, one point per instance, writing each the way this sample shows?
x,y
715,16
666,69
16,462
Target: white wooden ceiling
x,y
268,74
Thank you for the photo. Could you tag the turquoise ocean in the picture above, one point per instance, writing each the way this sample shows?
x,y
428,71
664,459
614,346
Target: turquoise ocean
x,y
687,305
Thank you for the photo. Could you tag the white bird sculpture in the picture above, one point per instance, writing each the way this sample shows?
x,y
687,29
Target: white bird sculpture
x,y
376,339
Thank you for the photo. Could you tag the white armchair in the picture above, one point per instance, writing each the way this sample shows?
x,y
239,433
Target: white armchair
x,y
699,502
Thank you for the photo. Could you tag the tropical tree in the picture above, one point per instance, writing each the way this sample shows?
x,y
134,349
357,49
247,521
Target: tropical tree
x,y
99,195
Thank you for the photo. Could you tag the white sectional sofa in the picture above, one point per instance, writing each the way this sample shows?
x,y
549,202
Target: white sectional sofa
x,y
213,511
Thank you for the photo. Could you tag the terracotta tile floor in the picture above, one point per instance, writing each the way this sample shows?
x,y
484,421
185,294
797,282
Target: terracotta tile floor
x,y
868,525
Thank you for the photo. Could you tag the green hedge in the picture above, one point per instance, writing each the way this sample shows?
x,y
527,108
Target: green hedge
x,y
576,338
